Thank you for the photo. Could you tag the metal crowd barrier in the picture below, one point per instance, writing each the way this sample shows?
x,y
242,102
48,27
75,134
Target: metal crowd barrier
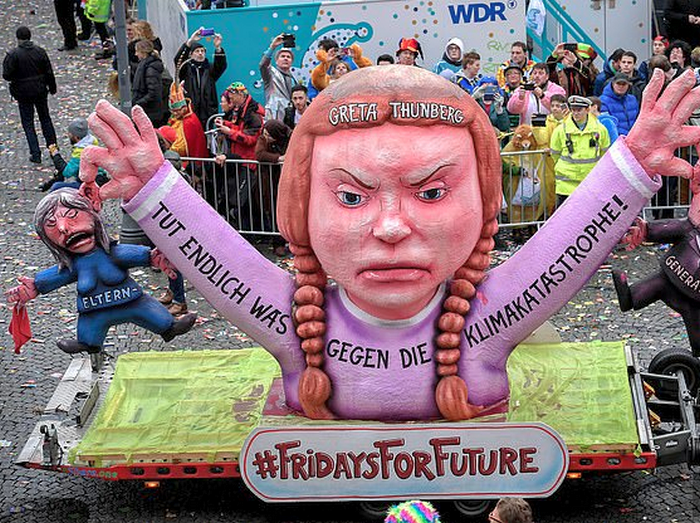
x,y
244,192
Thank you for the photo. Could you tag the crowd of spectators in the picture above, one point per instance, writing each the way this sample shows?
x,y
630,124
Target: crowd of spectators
x,y
571,110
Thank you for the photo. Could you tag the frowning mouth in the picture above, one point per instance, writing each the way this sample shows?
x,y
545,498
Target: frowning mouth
x,y
394,273
78,239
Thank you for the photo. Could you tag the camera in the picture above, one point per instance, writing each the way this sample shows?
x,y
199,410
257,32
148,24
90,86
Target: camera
x,y
490,92
289,41
529,86
206,32
571,47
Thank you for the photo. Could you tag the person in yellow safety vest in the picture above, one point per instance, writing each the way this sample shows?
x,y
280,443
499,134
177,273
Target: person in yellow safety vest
x,y
576,146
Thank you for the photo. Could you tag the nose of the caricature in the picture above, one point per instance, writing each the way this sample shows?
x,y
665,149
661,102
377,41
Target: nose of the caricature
x,y
62,225
391,228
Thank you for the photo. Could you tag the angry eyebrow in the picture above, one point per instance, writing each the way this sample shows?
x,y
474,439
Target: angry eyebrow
x,y
424,176
366,184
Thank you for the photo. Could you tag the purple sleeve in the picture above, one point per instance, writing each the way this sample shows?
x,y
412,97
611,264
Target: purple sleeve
x,y
249,290
526,290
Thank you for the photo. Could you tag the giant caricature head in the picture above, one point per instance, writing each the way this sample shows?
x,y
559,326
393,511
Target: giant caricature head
x,y
391,185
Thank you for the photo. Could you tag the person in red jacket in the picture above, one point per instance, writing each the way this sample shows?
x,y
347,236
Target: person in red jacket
x,y
243,130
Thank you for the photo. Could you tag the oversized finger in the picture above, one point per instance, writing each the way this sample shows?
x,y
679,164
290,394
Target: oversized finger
x,y
145,127
91,160
104,132
125,188
120,123
689,135
652,90
687,106
676,90
676,167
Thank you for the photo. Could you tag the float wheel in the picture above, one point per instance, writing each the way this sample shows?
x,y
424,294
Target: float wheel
x,y
668,362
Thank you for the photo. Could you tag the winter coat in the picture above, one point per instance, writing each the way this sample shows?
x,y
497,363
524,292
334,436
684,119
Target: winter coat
x,y
278,87
624,108
290,114
466,83
245,128
603,78
147,89
643,71
676,13
447,64
530,104
200,81
587,147
28,69
638,86
321,75
133,59
610,123
576,80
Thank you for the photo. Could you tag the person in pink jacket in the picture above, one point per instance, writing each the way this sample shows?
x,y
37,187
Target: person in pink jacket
x,y
533,97
392,186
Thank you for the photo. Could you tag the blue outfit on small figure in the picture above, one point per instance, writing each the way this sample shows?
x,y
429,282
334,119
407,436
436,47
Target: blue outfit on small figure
x,y
107,295
68,222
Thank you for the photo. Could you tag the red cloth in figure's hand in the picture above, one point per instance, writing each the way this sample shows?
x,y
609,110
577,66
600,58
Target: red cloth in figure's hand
x,y
19,328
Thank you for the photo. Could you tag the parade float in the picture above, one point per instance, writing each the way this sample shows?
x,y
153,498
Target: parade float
x,y
410,374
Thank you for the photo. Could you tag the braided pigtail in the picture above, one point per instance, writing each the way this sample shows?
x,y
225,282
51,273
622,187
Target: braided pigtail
x,y
451,394
310,319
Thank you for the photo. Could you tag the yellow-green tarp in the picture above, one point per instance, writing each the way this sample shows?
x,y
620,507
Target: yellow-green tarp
x,y
205,403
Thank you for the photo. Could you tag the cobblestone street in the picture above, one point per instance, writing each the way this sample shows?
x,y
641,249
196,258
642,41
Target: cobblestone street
x,y
27,381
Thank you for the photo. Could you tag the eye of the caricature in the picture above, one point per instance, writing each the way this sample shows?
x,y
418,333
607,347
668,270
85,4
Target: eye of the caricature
x,y
349,198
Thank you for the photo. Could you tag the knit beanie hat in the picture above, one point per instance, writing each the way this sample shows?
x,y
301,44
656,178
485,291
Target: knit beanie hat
x,y
412,512
586,51
177,99
237,87
78,128
195,45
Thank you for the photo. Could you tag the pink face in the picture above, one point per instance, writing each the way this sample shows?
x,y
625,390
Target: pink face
x,y
539,76
620,88
676,55
407,57
472,69
396,210
340,69
284,60
71,229
517,55
225,106
199,54
627,64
